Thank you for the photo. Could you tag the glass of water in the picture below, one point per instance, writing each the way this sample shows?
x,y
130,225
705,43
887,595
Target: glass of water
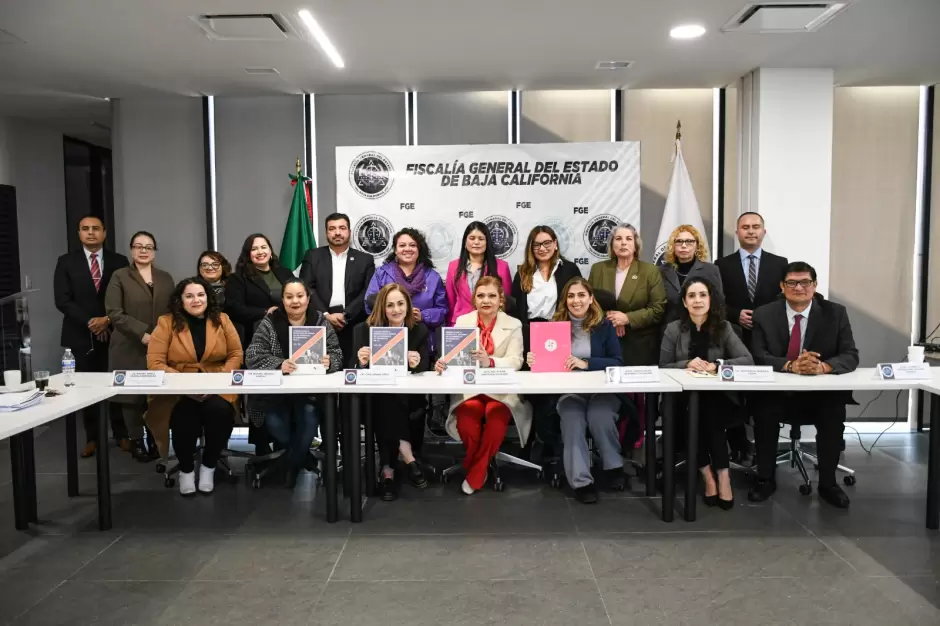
x,y
41,377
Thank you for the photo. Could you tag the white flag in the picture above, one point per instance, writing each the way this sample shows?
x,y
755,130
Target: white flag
x,y
681,206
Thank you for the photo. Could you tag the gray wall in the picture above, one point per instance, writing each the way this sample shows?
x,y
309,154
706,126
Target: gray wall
x,y
37,172
360,120
159,177
478,117
257,143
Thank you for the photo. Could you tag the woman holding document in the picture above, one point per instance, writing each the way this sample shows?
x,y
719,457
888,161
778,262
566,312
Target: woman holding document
x,y
594,346
290,419
697,341
395,431
195,336
500,345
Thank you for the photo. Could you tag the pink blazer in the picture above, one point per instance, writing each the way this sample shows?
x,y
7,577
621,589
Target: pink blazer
x,y
460,299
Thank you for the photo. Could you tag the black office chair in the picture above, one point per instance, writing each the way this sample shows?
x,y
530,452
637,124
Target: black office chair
x,y
795,456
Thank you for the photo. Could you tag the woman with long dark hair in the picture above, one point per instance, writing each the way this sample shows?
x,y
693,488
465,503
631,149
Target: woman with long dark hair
x,y
594,347
477,259
195,336
254,288
697,341
409,265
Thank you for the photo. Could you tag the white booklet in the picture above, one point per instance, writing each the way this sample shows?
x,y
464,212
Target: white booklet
x,y
307,348
389,349
457,345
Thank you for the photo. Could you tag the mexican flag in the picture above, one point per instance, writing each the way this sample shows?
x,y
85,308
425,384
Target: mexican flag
x,y
298,234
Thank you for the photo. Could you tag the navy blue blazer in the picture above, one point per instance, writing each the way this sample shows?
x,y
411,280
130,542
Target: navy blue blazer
x,y
605,348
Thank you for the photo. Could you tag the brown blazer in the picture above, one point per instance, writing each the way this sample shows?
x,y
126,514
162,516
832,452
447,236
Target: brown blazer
x,y
643,299
134,309
174,352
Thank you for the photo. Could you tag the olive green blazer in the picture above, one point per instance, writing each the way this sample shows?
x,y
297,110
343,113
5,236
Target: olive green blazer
x,y
643,299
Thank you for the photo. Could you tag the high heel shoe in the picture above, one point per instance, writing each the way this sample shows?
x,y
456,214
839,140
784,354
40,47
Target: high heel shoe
x,y
711,500
725,505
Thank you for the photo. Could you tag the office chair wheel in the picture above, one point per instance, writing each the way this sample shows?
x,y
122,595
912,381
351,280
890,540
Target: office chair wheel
x,y
806,489
161,468
556,481
498,486
445,478
169,483
256,482
848,480
539,475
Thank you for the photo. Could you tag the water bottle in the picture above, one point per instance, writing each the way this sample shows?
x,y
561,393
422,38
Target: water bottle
x,y
68,367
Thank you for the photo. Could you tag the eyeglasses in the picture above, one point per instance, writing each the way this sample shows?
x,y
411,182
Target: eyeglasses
x,y
685,242
141,248
805,283
209,266
544,245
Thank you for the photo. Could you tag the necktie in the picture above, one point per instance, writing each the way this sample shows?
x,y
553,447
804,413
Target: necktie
x,y
751,276
95,271
796,337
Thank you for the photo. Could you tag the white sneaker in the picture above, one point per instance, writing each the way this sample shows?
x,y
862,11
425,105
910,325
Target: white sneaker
x,y
187,483
467,489
206,479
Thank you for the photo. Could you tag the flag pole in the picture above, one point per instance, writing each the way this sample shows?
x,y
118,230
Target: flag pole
x,y
299,167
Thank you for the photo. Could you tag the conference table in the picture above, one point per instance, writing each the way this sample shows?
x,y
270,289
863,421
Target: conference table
x,y
18,427
93,388
863,379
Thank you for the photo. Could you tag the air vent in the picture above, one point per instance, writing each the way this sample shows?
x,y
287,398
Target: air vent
x,y
244,27
613,65
262,71
784,17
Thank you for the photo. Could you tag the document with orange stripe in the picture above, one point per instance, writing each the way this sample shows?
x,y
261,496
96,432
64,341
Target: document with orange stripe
x,y
307,348
389,349
457,346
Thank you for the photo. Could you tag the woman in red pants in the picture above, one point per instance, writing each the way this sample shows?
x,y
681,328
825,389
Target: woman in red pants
x,y
480,421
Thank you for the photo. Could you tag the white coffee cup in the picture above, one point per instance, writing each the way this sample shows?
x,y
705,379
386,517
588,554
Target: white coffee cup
x,y
12,378
915,354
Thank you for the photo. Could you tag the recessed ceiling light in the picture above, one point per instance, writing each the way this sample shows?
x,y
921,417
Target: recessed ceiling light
x,y
687,31
322,40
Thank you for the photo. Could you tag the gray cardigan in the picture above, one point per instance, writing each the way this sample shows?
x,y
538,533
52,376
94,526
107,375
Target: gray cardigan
x,y
674,350
673,287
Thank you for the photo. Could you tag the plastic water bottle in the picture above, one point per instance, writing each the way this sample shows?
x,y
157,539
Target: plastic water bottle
x,y
68,367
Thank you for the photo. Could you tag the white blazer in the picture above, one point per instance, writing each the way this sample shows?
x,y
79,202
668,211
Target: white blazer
x,y
507,352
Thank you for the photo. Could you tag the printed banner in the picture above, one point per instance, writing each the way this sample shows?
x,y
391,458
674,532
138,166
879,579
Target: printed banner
x,y
581,190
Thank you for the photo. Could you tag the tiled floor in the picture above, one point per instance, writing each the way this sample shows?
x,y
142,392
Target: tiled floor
x,y
525,556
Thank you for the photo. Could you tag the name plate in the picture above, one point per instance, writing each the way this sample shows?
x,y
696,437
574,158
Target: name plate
x,y
138,378
904,371
310,368
257,378
746,373
628,375
370,377
489,376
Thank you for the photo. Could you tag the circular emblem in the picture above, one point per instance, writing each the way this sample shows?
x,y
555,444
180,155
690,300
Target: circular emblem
x,y
564,235
119,378
503,235
238,378
659,254
351,376
887,371
440,241
469,377
370,174
373,235
597,233
727,372
551,345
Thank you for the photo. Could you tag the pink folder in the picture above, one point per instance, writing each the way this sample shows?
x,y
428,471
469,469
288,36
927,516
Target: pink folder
x,y
551,344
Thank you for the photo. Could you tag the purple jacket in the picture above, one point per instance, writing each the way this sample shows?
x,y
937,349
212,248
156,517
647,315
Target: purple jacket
x,y
432,302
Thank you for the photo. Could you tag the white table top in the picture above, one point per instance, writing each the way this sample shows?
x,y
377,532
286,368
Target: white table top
x,y
52,408
528,383
862,379
932,386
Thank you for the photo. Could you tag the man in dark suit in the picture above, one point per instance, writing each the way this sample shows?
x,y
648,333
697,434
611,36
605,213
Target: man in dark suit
x,y
337,277
805,334
750,277
80,282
